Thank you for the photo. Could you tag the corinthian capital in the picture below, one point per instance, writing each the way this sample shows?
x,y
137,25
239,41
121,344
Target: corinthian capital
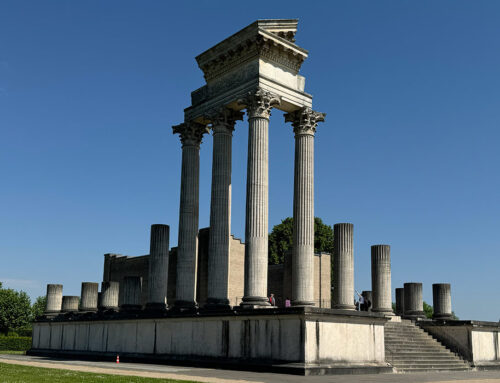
x,y
223,119
259,103
190,133
304,120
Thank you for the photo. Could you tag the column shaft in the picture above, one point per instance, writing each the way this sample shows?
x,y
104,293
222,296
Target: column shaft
x,y
257,208
413,300
70,303
109,295
400,301
343,266
132,287
220,218
54,298
441,294
381,278
303,222
89,295
158,267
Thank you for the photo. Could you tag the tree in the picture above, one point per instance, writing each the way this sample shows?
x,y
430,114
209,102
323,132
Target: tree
x,y
38,307
15,309
428,310
281,239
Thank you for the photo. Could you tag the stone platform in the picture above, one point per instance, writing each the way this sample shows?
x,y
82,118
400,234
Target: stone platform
x,y
305,341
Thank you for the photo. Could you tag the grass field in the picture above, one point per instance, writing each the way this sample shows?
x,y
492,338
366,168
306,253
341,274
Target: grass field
x,y
10,373
10,352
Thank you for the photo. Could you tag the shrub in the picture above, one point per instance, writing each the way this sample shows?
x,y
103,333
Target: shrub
x,y
15,343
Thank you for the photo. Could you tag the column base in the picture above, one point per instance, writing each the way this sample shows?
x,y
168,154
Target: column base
x,y
302,303
130,308
217,304
414,315
344,307
383,311
185,307
109,308
255,302
156,306
442,316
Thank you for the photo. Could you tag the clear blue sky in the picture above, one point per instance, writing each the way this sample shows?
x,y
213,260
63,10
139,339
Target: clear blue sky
x,y
409,152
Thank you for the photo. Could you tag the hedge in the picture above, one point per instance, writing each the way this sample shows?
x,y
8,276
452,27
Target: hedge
x,y
15,343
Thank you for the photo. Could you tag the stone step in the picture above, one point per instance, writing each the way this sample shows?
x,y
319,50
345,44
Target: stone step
x,y
430,369
431,365
423,342
425,356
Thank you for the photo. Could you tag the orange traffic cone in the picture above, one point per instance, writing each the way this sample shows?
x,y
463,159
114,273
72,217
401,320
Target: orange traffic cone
x,y
118,359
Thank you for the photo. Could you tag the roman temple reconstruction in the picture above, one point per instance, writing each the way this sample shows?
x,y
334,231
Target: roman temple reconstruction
x,y
207,300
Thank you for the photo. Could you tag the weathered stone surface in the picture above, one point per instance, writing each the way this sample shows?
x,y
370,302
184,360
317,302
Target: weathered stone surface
x,y
441,294
400,301
131,293
54,298
304,122
109,295
89,296
223,121
191,134
70,303
381,279
414,306
343,267
259,105
158,267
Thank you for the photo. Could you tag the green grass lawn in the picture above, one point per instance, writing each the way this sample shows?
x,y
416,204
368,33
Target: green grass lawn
x,y
10,352
11,373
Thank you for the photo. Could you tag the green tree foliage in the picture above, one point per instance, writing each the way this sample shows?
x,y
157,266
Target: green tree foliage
x,y
281,238
38,307
15,309
428,310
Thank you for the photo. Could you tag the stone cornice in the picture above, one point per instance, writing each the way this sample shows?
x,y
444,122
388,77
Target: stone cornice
x,y
223,119
259,103
304,120
269,39
191,133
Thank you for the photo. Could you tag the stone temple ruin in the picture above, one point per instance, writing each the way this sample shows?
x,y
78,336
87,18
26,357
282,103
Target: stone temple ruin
x,y
205,302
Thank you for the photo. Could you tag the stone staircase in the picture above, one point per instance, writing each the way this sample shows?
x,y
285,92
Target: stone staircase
x,y
408,348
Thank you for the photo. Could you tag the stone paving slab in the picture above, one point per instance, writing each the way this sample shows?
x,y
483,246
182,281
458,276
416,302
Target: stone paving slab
x,y
229,376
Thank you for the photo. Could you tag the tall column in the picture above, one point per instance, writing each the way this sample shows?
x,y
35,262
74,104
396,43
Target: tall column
x,y
441,294
70,303
259,105
304,123
223,121
187,252
109,295
158,267
132,287
89,295
381,278
414,307
343,266
54,299
400,301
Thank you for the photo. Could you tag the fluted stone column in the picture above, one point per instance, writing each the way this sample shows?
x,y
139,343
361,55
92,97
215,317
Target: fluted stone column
x,y
343,266
89,296
381,278
223,121
304,123
259,105
54,299
109,295
441,294
70,303
158,267
414,306
132,287
400,301
187,252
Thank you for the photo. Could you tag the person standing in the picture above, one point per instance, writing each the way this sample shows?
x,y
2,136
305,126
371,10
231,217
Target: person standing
x,y
272,301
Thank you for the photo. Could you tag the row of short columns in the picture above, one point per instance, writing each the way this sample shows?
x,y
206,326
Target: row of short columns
x,y
258,104
409,301
91,300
